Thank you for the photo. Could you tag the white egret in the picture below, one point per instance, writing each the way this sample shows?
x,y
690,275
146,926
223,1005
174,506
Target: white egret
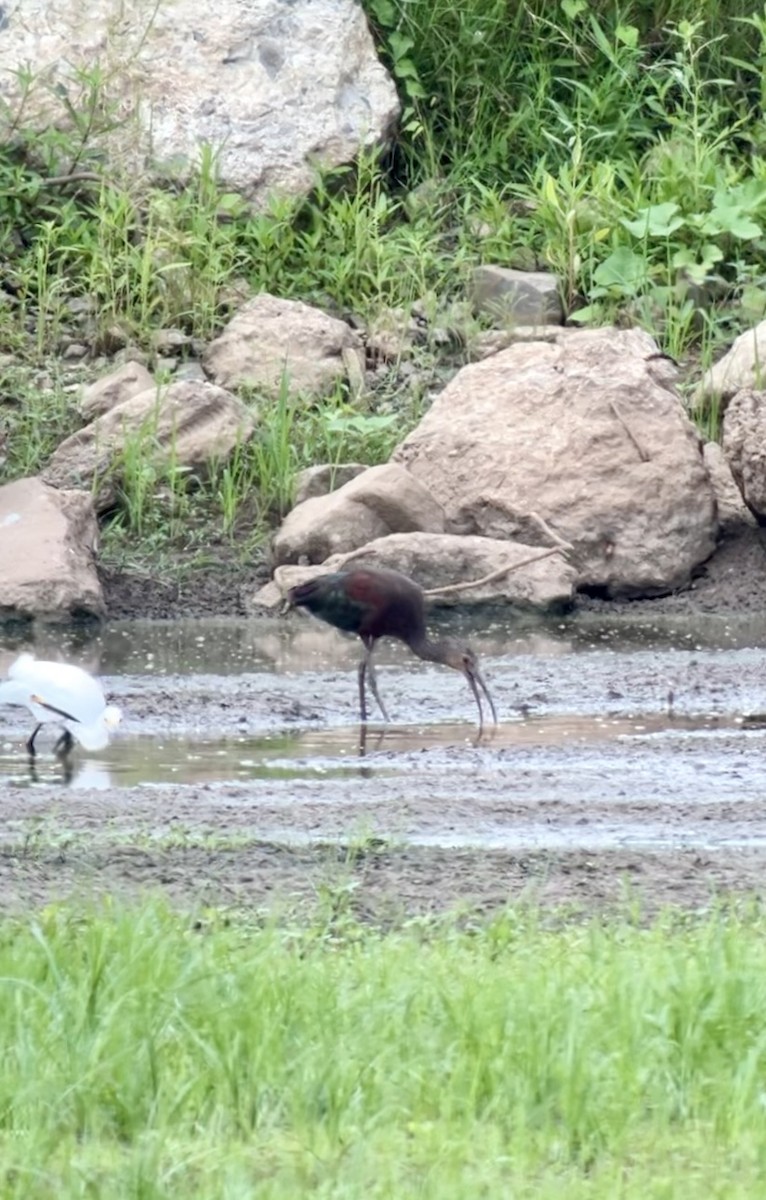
x,y
61,693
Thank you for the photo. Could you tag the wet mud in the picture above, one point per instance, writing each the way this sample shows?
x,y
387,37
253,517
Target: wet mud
x,y
627,768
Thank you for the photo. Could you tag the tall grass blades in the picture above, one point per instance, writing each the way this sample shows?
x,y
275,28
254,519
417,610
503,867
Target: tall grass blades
x,y
143,1058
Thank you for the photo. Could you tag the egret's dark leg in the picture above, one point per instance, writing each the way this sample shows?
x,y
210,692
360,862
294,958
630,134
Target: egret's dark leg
x,y
31,740
63,747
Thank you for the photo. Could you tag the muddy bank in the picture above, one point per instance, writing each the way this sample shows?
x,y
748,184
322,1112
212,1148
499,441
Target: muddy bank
x,y
734,580
381,885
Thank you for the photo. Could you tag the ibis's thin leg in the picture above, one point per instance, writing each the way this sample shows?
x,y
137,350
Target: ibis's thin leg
x,y
64,745
31,740
361,674
374,685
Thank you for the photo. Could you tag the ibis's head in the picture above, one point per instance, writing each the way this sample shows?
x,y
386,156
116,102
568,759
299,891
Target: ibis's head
x,y
464,659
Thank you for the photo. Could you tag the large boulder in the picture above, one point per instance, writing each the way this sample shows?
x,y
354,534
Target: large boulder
x,y
589,433
439,560
187,423
274,88
47,544
382,500
744,446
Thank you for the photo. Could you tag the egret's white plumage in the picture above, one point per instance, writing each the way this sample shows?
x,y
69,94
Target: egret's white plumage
x,y
61,693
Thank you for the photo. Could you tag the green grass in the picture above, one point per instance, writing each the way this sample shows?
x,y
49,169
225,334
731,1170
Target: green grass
x,y
147,1055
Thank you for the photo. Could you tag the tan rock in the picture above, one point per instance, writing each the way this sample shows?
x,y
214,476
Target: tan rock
x,y
382,500
589,433
131,379
273,88
744,446
733,513
47,541
742,366
437,560
271,339
324,478
188,423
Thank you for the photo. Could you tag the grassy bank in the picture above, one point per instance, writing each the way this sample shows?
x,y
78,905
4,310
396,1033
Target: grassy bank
x,y
619,145
146,1055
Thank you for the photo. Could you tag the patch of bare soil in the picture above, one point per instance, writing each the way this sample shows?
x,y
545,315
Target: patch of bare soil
x,y
732,581
221,590
383,886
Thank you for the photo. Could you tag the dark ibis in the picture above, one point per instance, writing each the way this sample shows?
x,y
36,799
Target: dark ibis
x,y
376,603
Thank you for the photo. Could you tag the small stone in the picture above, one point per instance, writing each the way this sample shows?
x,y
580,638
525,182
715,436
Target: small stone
x,y
190,371
526,297
82,306
271,340
165,365
166,341
75,350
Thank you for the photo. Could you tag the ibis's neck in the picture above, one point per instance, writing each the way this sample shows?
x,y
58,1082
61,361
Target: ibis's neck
x,y
427,649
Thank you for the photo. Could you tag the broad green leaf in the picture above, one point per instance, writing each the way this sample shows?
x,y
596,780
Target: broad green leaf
x,y
405,68
731,220
384,12
658,220
400,43
573,8
622,271
628,35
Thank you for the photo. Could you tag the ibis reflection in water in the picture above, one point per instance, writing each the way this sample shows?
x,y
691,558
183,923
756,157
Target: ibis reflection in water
x,y
376,603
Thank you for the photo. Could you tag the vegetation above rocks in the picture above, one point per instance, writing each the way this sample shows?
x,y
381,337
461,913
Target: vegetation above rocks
x,y
619,146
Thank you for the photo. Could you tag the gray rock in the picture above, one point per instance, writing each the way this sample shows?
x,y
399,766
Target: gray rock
x,y
270,338
186,423
380,501
47,544
525,297
128,380
273,87
590,434
325,478
169,341
190,372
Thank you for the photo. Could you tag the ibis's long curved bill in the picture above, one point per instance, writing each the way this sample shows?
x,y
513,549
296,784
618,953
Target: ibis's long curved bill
x,y
476,680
